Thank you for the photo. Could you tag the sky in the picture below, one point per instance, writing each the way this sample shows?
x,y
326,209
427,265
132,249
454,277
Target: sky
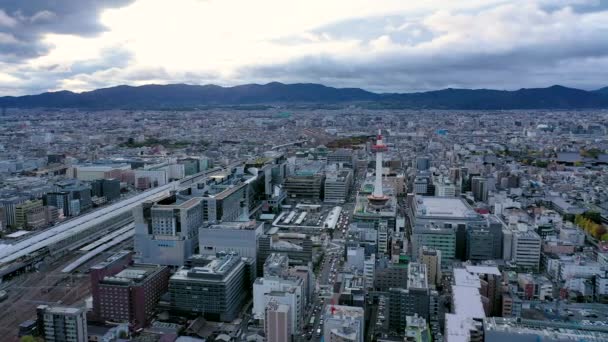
x,y
378,45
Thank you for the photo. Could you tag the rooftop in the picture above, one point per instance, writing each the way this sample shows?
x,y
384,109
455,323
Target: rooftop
x,y
451,207
131,275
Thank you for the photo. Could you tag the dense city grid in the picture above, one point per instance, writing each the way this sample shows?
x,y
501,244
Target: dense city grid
x,y
266,223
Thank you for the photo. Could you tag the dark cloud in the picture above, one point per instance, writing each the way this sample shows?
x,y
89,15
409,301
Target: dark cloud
x,y
26,21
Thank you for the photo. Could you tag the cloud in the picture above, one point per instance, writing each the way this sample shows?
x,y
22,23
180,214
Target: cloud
x,y
505,47
381,45
29,21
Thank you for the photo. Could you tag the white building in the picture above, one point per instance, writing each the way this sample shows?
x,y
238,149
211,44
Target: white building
x,y
286,290
525,249
344,323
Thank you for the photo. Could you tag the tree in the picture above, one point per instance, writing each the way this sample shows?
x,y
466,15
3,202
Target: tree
x,y
30,338
604,237
593,216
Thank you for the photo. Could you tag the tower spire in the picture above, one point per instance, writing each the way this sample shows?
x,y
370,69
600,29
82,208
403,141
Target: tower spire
x,y
377,198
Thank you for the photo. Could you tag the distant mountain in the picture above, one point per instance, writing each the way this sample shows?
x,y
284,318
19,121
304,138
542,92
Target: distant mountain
x,y
602,91
190,96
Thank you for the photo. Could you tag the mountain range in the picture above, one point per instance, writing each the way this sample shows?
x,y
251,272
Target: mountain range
x,y
193,96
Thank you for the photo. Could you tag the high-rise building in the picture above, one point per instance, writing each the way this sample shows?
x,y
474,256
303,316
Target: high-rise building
x,y
238,237
432,259
277,322
337,185
423,163
389,275
285,289
298,247
343,156
108,188
109,267
307,187
30,214
166,231
526,248
62,324
215,287
441,223
9,205
60,200
413,300
479,187
131,295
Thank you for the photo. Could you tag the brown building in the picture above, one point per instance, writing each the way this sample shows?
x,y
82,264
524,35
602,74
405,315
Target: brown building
x,y
124,292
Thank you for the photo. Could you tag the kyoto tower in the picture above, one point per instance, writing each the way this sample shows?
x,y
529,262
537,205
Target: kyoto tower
x,y
377,198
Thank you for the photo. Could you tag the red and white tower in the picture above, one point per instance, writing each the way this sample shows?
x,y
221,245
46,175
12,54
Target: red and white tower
x,y
377,198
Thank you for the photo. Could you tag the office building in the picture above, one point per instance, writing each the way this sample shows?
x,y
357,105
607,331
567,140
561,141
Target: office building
x,y
277,322
344,323
238,237
62,324
306,182
216,287
389,275
479,187
60,200
286,289
94,172
526,248
337,185
82,193
9,206
415,299
298,247
166,231
108,188
432,259
437,220
131,295
342,156
423,163
30,214
111,266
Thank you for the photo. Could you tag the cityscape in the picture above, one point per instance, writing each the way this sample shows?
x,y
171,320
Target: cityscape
x,y
324,171
348,224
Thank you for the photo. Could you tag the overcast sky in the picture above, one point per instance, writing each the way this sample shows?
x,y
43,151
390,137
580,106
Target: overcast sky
x,y
379,45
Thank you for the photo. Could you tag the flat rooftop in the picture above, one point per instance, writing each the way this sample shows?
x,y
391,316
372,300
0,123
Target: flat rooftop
x,y
131,275
451,207
63,310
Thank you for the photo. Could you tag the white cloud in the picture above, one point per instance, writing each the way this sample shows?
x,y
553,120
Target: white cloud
x,y
377,44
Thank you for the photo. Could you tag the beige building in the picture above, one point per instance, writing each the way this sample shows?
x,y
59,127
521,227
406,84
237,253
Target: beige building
x,y
277,323
432,259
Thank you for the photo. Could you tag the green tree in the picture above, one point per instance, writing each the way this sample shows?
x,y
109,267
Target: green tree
x,y
593,216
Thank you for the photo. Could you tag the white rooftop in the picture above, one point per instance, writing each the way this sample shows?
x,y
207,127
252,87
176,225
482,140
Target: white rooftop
x,y
463,278
458,328
443,206
467,302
